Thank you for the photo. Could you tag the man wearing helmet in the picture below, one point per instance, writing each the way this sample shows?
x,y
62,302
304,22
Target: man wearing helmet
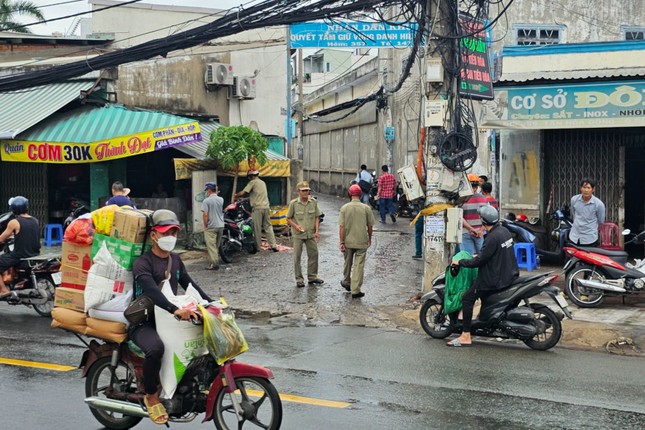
x,y
26,232
149,271
497,269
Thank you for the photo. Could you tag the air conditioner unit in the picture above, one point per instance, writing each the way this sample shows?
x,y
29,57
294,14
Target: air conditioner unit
x,y
243,87
219,74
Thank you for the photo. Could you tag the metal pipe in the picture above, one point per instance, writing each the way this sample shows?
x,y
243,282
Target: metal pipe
x,y
600,286
125,408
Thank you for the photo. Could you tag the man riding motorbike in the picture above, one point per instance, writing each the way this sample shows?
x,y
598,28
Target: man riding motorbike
x,y
497,268
26,232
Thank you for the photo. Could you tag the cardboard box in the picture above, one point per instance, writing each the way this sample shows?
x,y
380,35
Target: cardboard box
x,y
124,253
70,298
75,264
278,215
130,224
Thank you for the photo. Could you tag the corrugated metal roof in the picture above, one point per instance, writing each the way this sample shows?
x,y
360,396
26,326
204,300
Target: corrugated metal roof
x,y
572,74
20,110
90,124
198,149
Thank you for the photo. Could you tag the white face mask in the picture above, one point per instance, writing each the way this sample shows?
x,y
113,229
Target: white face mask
x,y
167,243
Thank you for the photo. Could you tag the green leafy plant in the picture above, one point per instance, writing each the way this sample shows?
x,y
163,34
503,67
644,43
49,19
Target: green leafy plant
x,y
8,10
232,145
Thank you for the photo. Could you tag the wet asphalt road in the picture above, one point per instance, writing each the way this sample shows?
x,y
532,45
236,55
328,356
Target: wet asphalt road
x,y
389,380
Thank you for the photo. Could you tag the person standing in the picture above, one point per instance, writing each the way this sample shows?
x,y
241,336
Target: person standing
x,y
303,216
364,180
213,217
487,189
418,238
356,223
472,238
120,196
256,189
385,194
588,212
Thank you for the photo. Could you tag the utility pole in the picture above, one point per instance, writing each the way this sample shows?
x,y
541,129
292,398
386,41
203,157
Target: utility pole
x,y
287,123
437,250
301,106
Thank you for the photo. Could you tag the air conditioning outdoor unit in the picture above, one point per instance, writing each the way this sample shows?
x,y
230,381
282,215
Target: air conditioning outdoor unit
x,y
243,87
219,74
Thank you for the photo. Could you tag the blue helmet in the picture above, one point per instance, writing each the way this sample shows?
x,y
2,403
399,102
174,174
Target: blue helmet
x,y
19,205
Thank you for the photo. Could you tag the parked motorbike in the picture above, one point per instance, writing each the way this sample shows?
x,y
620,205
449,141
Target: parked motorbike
x,y
34,280
505,314
238,231
77,208
232,394
594,273
404,208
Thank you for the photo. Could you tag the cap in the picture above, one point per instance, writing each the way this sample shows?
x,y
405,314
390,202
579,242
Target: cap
x,y
304,185
355,190
210,186
473,178
252,173
163,220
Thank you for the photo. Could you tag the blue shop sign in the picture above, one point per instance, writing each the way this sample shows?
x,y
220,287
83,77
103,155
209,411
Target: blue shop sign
x,y
352,34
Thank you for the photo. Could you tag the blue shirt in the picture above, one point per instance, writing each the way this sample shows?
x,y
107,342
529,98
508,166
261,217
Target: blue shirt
x,y
587,217
119,200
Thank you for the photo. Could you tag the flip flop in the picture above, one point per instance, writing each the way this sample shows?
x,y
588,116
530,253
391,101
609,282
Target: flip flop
x,y
5,295
457,343
156,412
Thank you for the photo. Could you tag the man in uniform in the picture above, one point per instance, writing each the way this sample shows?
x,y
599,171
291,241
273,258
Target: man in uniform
x,y
256,189
303,216
356,221
213,217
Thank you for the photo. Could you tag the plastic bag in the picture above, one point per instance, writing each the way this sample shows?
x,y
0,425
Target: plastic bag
x,y
223,337
80,231
103,219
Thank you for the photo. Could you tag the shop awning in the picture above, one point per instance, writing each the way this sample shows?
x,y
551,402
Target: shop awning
x,y
91,134
23,109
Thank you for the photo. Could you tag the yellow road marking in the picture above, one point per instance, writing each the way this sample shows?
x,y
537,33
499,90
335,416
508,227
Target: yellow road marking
x,y
36,364
305,400
256,393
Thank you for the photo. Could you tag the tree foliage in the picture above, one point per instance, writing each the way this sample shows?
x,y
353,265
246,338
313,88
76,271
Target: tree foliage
x,y
232,145
9,9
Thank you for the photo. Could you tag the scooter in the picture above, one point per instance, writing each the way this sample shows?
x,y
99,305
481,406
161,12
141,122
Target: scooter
x,y
78,207
534,233
34,280
594,273
506,314
238,231
231,395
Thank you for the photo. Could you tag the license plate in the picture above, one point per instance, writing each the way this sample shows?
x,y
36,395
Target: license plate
x,y
561,301
57,278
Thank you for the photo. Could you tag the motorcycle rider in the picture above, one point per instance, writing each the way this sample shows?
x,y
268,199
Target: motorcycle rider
x,y
149,271
497,268
26,232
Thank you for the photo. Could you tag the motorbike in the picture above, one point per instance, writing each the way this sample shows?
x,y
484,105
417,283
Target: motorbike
x,y
232,394
77,207
405,208
506,314
238,231
34,281
594,273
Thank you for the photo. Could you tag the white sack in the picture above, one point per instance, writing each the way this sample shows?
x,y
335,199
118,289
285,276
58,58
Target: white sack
x,y
182,340
106,279
113,310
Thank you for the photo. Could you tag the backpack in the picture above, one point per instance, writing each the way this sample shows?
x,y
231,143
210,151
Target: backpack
x,y
365,186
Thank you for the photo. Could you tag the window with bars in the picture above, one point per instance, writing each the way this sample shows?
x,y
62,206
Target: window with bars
x,y
538,35
633,33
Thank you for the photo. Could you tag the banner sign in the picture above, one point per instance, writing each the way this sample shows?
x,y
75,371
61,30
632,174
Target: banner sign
x,y
104,150
607,104
351,34
474,81
273,168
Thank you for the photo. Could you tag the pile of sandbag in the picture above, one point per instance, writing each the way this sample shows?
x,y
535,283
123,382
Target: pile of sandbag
x,y
99,250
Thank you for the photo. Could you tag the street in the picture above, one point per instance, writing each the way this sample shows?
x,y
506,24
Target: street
x,y
375,378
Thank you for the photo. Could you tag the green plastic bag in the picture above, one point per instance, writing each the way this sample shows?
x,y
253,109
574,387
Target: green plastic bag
x,y
224,339
457,286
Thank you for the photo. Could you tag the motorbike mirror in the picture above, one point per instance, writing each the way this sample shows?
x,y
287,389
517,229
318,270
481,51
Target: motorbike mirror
x,y
373,172
626,232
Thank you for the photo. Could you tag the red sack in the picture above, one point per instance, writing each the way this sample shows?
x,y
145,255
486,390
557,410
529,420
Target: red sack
x,y
80,231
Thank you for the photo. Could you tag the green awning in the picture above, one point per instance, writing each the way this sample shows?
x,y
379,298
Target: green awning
x,y
20,110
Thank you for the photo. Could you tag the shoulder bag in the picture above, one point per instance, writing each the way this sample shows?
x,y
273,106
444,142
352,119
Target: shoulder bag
x,y
140,309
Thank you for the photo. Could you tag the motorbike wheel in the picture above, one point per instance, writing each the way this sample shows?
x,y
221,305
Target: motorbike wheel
x,y
549,329
433,321
584,297
252,393
253,248
46,288
226,251
99,379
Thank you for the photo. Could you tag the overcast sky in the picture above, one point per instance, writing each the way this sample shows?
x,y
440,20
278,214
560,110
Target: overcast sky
x,y
53,9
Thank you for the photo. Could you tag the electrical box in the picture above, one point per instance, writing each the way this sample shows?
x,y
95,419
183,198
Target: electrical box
x,y
434,70
410,182
454,225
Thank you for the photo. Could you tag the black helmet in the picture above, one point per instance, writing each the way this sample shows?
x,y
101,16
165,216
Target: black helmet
x,y
19,205
488,214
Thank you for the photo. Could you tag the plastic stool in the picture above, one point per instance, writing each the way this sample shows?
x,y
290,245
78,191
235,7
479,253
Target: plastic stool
x,y
53,234
526,256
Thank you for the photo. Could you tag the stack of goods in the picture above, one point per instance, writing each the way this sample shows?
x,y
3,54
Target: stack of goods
x,y
98,253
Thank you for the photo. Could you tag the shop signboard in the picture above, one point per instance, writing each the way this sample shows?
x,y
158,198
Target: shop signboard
x,y
475,78
352,34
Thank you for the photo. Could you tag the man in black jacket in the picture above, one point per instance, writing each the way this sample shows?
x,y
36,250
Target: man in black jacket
x,y
497,268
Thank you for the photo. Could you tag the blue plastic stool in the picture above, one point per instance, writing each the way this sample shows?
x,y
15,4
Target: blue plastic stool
x,y
526,256
53,234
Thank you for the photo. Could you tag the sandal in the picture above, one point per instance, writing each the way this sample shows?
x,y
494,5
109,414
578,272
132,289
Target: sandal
x,y
156,412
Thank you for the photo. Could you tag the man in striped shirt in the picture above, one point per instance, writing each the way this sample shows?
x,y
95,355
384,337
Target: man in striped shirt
x,y
472,238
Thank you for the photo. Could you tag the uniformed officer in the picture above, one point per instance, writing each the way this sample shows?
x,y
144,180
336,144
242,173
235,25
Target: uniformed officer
x,y
303,216
256,189
356,221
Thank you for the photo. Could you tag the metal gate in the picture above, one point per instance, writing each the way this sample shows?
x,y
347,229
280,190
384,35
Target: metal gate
x,y
28,180
572,155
